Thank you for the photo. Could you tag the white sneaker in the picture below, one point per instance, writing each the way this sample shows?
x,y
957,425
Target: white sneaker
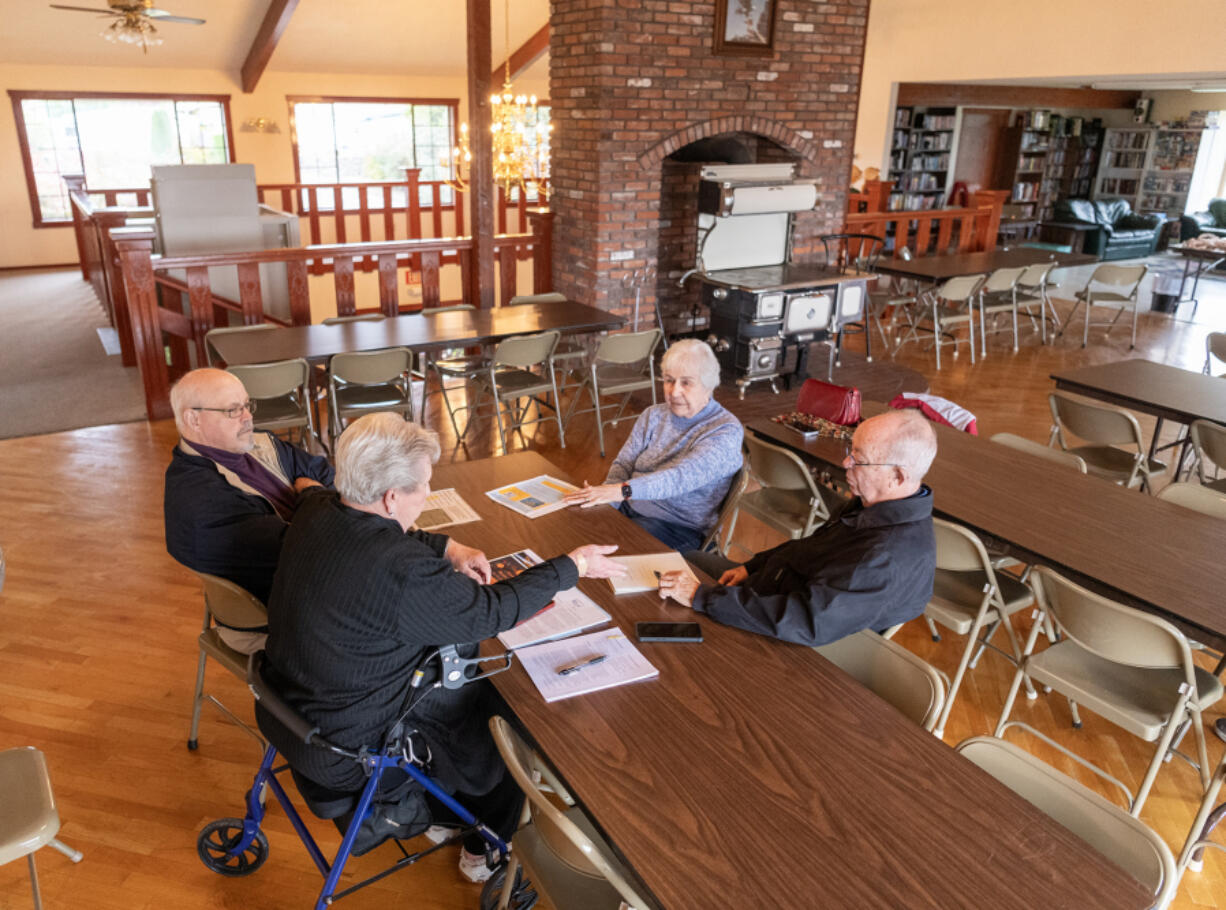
x,y
436,834
473,867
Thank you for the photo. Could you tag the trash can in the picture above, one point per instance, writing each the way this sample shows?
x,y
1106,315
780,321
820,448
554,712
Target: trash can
x,y
1166,289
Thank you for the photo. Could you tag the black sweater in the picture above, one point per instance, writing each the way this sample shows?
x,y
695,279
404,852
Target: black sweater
x,y
866,568
357,604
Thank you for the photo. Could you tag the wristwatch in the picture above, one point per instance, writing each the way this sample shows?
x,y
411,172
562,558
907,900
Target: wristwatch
x,y
626,491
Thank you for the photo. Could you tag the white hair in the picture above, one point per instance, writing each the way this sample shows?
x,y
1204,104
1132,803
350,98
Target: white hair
x,y
696,353
380,452
910,443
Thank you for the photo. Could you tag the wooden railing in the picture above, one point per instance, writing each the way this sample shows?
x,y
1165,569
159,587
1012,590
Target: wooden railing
x,y
165,332
936,231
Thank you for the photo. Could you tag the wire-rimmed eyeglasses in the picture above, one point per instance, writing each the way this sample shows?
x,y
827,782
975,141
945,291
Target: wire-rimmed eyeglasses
x,y
233,411
866,464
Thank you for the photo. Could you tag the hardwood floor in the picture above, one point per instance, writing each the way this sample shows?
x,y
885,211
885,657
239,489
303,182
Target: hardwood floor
x,y
98,656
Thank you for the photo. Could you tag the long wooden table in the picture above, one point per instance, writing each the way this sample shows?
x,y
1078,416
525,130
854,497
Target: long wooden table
x,y
941,268
458,328
754,773
1166,392
1126,544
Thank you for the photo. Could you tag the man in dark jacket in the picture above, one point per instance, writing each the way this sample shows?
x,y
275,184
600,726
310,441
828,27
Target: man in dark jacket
x,y
871,566
230,491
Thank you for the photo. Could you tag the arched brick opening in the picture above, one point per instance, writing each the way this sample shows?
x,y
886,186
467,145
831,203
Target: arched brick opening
x,y
746,123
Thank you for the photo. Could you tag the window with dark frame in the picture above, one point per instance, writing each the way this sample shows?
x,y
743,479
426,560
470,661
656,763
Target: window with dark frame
x,y
113,138
371,140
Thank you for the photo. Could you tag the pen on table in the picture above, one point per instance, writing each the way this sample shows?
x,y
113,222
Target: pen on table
x,y
656,574
580,664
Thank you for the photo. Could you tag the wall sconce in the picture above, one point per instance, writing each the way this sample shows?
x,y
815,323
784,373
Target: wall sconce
x,y
259,125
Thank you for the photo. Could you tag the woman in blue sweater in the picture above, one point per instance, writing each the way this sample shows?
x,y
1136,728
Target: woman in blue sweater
x,y
675,469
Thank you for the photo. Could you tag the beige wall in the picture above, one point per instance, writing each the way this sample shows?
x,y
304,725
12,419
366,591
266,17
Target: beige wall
x,y
974,41
22,245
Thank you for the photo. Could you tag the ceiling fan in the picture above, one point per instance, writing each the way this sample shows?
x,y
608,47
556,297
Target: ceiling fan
x,y
132,21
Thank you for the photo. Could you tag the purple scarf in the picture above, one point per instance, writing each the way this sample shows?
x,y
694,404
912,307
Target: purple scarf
x,y
251,472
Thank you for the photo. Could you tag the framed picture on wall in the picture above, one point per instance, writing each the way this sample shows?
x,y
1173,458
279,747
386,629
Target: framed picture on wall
x,y
745,27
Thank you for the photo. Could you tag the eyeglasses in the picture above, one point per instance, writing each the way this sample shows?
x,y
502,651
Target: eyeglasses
x,y
234,410
866,464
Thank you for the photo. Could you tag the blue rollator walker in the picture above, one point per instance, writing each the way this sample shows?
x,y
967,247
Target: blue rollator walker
x,y
237,846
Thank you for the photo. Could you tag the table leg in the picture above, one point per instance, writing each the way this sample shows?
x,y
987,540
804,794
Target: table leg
x,y
1153,445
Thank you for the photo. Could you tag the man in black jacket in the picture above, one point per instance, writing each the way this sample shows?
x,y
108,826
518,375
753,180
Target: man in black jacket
x,y
230,491
871,566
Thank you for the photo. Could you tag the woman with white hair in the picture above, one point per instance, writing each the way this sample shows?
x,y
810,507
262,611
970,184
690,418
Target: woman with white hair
x,y
360,600
675,469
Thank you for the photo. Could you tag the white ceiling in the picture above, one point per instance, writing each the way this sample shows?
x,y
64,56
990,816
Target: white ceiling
x,y
1203,81
326,36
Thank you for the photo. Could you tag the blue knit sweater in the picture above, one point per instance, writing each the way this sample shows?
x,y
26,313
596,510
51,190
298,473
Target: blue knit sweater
x,y
680,468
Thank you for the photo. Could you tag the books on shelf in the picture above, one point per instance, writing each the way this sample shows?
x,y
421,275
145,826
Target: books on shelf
x,y
615,661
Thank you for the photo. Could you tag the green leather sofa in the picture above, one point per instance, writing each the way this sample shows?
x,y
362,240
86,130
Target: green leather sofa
x,y
1194,224
1121,234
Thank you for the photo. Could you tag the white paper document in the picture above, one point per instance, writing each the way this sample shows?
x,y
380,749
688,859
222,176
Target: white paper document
x,y
538,496
443,509
619,663
571,611
643,572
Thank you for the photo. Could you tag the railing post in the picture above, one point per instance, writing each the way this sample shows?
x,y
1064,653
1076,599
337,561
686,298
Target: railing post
x,y
877,194
112,286
135,248
412,205
77,198
989,221
542,250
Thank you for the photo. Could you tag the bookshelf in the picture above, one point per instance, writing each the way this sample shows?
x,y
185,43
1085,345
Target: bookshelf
x,y
921,150
1080,162
1030,165
1149,166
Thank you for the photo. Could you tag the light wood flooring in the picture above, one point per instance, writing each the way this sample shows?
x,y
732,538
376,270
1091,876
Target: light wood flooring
x,y
98,656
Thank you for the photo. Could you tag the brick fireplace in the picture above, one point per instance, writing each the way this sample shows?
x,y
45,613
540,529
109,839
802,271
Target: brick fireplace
x,y
640,101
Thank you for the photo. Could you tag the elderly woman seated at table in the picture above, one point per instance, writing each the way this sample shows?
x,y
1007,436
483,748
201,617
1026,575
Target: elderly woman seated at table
x,y
675,469
359,601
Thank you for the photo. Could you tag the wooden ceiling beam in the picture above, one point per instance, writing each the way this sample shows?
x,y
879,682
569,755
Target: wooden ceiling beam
x,y
524,56
271,30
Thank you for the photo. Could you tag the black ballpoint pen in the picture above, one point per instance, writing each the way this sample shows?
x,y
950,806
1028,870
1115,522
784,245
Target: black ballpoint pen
x,y
579,665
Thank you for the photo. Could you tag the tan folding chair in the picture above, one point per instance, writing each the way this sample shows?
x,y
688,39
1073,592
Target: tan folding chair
x,y
1194,496
1105,428
622,365
998,295
1209,445
1032,289
360,317
1116,289
1056,456
788,499
233,607
459,367
950,305
282,395
211,352
1215,349
568,350
1132,668
366,381
969,598
1122,839
1208,817
903,679
29,820
567,861
509,380
720,536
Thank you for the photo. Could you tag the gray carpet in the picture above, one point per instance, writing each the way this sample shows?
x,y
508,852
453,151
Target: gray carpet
x,y
55,373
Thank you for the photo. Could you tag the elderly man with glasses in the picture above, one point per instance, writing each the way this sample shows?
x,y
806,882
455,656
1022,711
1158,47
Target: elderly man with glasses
x,y
230,490
871,566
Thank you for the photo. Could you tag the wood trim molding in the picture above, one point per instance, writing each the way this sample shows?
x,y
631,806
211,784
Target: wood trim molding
x,y
523,56
271,29
19,95
946,94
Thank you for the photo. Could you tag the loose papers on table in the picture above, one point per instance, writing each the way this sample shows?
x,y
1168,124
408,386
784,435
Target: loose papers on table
x,y
643,572
622,664
538,496
571,611
443,509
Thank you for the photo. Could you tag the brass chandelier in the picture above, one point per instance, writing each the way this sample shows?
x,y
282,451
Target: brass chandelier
x,y
518,136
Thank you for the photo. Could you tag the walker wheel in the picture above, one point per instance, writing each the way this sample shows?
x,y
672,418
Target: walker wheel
x,y
523,896
220,837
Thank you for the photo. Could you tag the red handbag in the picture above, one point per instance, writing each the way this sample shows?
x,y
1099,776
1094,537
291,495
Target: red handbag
x,y
836,403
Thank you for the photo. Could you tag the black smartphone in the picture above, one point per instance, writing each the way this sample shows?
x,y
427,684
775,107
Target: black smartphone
x,y
668,631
